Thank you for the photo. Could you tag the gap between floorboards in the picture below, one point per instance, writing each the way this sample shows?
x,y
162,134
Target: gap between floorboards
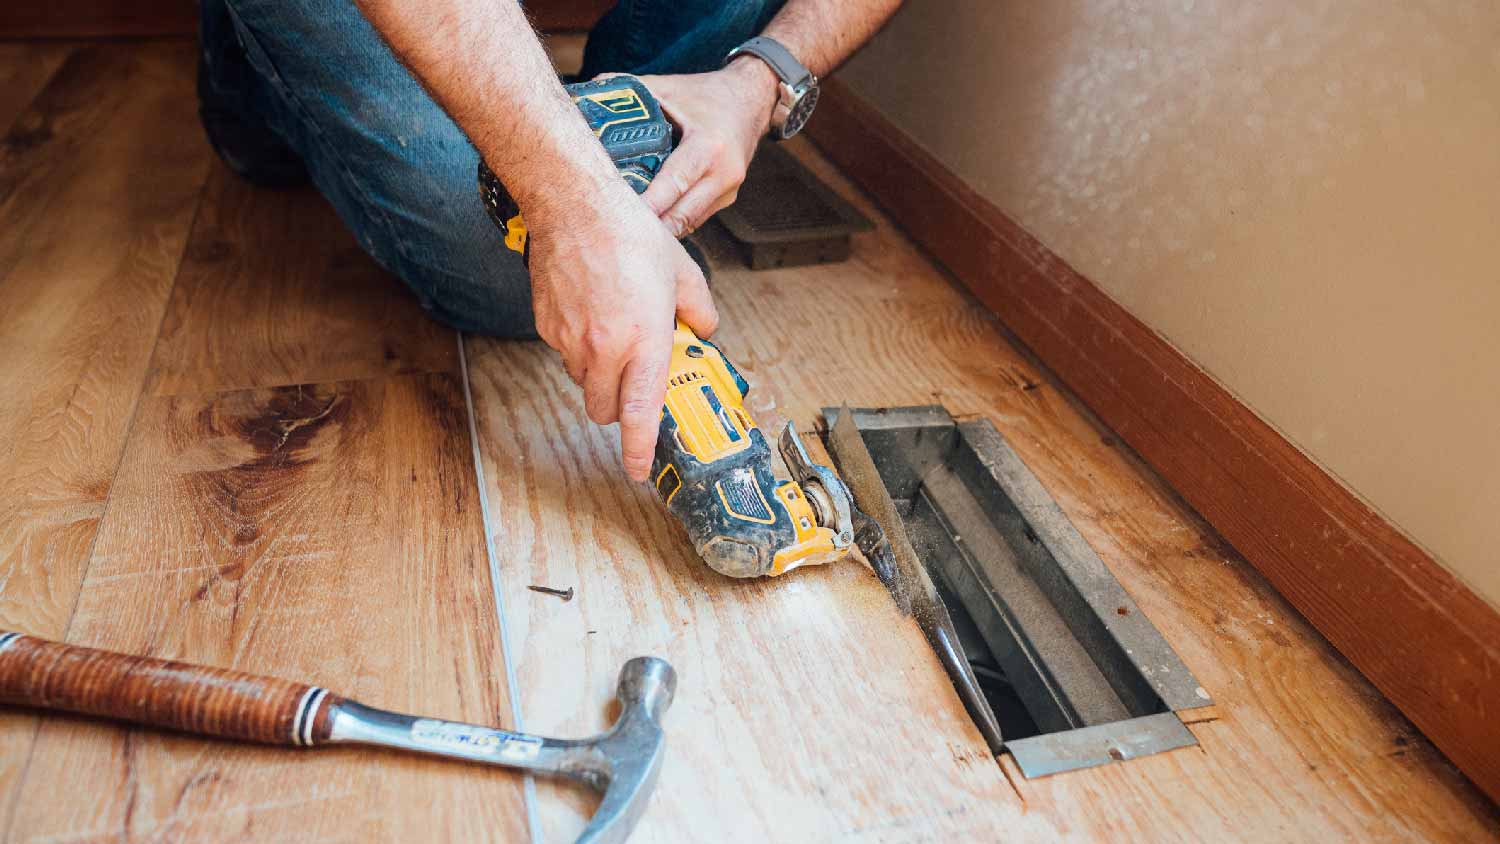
x,y
533,824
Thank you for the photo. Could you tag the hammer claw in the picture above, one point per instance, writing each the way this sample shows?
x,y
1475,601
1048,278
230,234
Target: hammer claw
x,y
622,762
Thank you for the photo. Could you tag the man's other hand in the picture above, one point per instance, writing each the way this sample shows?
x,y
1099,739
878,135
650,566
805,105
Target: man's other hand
x,y
721,115
607,280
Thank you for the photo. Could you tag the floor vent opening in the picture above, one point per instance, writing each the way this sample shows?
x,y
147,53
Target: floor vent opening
x,y
1074,672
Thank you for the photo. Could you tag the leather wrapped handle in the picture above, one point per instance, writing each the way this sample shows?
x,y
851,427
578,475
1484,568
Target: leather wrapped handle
x,y
162,693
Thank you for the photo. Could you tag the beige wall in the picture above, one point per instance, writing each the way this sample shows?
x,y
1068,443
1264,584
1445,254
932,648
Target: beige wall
x,y
1302,196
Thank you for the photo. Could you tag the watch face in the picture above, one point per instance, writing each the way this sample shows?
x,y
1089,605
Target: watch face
x,y
800,111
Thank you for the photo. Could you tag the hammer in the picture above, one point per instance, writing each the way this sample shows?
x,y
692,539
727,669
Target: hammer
x,y
621,763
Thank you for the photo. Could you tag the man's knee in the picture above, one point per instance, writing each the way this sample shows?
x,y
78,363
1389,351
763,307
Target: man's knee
x,y
488,309
394,166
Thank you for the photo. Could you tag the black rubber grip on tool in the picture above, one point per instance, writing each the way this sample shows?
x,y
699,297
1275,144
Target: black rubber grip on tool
x,y
705,498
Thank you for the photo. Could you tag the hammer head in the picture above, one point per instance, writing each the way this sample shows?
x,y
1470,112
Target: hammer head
x,y
630,752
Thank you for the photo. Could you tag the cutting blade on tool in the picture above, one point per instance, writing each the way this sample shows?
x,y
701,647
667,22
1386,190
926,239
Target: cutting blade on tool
x,y
881,537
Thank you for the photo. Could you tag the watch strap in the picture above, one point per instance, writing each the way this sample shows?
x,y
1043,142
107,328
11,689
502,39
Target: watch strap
x,y
781,60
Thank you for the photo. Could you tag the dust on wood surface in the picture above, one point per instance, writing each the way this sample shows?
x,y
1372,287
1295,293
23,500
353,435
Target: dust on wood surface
x,y
809,710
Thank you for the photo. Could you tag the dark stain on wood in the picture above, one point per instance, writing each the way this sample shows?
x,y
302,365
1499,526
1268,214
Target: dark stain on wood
x,y
292,419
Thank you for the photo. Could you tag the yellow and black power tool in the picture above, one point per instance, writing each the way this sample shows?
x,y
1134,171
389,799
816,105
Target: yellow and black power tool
x,y
713,466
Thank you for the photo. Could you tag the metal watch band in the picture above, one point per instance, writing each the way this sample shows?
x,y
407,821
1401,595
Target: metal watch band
x,y
781,60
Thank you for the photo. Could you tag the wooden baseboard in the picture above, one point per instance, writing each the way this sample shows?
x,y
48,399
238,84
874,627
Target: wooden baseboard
x,y
567,15
1429,643
98,18
141,18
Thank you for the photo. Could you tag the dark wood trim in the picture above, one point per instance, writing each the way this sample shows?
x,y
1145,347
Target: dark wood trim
x,y
567,15
1428,642
97,18
141,18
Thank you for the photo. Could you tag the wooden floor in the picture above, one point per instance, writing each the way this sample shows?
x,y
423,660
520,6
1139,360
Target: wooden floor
x,y
226,436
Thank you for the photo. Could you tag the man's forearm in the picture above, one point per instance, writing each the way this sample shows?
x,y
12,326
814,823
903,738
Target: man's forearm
x,y
483,63
820,33
823,33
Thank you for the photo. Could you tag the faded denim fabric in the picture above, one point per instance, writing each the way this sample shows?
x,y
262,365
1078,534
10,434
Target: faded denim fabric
x,y
398,171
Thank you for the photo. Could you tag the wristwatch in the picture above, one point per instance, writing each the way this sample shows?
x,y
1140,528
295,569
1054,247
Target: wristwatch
x,y
799,88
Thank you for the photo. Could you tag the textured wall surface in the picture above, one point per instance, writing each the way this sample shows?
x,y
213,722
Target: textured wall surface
x,y
1303,197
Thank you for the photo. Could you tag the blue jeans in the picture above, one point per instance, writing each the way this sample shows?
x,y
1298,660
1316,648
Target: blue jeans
x,y
397,170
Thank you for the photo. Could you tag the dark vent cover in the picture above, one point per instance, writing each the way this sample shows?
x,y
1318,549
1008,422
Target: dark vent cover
x,y
785,217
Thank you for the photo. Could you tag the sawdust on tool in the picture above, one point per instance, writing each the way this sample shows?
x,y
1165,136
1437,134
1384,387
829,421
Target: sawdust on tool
x,y
911,587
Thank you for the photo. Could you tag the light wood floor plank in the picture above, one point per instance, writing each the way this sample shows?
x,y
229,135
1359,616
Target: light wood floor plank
x,y
767,738
326,533
99,177
808,711
274,290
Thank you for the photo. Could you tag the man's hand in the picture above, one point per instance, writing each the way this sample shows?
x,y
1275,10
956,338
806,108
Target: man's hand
x,y
607,280
722,115
606,275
